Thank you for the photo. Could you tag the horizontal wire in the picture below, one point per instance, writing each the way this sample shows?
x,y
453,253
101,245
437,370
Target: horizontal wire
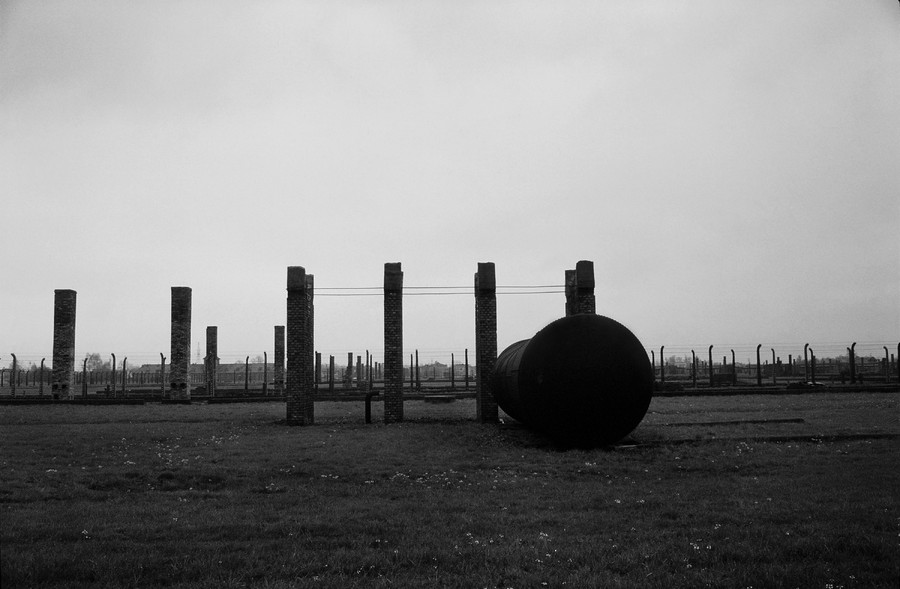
x,y
420,294
532,286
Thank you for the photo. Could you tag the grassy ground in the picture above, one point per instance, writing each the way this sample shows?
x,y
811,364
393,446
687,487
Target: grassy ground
x,y
227,496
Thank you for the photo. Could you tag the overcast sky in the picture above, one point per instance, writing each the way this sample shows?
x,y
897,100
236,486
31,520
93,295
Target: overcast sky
x,y
731,168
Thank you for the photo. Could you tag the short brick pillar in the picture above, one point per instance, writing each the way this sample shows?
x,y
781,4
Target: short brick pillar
x,y
393,343
571,296
62,382
180,353
279,359
211,362
485,341
299,378
584,287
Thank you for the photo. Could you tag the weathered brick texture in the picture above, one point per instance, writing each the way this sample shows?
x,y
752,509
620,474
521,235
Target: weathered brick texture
x,y
580,289
571,296
485,341
299,336
393,343
279,359
211,363
180,353
309,348
63,376
584,287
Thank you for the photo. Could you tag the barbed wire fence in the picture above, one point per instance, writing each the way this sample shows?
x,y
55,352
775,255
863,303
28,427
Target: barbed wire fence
x,y
675,361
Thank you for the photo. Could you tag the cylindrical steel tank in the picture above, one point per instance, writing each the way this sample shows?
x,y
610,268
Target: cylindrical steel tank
x,y
583,380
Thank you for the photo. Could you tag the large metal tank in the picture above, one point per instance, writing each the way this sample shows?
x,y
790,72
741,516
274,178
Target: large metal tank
x,y
583,380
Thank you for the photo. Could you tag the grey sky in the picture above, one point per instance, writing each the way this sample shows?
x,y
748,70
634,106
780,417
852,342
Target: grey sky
x,y
730,168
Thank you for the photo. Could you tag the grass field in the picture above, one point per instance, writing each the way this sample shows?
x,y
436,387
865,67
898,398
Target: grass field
x,y
751,491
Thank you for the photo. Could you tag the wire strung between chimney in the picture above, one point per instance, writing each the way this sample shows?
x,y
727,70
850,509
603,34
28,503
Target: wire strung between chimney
x,y
435,290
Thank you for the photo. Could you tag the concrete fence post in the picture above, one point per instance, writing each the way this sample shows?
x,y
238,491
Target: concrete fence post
x,y
693,369
813,365
805,362
452,372
662,366
466,359
162,376
14,375
83,379
759,367
331,375
733,369
112,375
774,366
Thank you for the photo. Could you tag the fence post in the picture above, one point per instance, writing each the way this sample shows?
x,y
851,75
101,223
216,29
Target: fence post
x,y
662,366
759,367
733,370
13,377
853,363
806,362
710,366
83,379
466,387
124,374
774,367
162,376
693,369
265,388
452,372
112,376
331,375
41,386
813,354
